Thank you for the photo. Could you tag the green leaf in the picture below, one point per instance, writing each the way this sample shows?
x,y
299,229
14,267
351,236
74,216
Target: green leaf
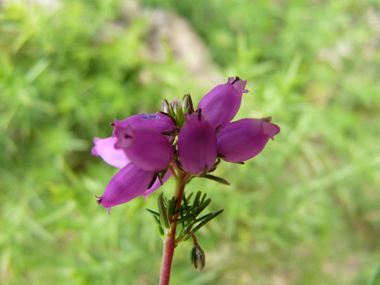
x,y
203,198
185,218
217,179
172,206
199,209
157,220
196,199
191,178
182,209
203,217
190,195
153,212
202,224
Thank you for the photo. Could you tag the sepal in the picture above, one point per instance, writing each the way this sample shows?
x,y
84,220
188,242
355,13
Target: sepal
x,y
165,223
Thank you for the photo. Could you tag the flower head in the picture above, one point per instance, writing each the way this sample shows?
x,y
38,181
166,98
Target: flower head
x,y
150,147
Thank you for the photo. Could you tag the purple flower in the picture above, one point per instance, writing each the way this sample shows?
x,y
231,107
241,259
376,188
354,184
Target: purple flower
x,y
158,121
197,147
142,145
129,183
117,157
221,104
146,148
105,148
241,140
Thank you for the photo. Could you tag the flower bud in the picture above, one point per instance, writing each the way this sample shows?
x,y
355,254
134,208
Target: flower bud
x,y
165,106
197,149
187,104
129,183
146,148
175,105
241,140
105,148
198,257
221,104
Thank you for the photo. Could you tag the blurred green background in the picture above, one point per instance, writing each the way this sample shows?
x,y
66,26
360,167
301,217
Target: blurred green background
x,y
305,211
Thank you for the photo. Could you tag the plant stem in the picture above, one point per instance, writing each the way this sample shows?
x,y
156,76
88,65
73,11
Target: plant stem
x,y
169,244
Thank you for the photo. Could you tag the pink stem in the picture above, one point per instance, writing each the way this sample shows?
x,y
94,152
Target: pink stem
x,y
170,245
167,259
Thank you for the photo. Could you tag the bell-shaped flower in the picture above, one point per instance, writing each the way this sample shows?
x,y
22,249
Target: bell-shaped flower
x,y
105,148
130,182
221,104
159,121
146,148
241,140
197,149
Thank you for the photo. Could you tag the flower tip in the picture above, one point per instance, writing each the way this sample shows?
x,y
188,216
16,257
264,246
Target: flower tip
x,y
270,129
231,80
116,123
238,84
99,201
93,151
109,211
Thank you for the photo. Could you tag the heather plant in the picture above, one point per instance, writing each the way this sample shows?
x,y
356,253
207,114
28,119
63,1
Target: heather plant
x,y
303,211
185,143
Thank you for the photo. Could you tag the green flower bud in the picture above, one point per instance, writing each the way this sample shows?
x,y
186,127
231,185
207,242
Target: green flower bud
x,y
165,106
198,257
187,104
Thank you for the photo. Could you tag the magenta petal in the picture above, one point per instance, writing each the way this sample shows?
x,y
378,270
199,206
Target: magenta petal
x,y
157,184
197,145
105,148
129,183
221,104
241,140
158,121
146,148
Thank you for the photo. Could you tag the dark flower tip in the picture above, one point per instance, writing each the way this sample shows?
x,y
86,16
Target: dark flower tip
x,y
267,119
238,84
237,78
99,201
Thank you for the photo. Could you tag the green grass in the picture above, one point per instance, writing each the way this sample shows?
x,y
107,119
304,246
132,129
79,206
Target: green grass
x,y
305,211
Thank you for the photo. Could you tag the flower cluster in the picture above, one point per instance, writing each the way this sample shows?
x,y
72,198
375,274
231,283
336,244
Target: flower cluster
x,y
148,146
